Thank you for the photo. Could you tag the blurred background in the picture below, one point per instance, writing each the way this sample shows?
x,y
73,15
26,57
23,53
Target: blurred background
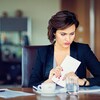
x,y
24,22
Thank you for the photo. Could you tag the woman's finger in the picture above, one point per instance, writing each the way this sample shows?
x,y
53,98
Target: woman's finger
x,y
55,71
71,74
58,70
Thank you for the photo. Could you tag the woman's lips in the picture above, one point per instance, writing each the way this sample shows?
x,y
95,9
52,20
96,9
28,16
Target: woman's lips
x,y
67,43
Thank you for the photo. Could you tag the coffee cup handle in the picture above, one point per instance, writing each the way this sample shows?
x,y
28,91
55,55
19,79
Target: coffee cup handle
x,y
39,87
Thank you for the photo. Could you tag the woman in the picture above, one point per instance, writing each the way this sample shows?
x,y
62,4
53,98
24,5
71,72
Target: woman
x,y
61,33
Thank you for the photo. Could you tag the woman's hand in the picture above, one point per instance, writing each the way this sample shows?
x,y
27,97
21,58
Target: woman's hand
x,y
55,71
74,76
70,74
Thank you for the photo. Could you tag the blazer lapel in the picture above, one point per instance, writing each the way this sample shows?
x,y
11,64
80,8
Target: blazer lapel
x,y
73,50
49,61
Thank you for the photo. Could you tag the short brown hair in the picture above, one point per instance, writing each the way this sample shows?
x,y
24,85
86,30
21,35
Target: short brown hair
x,y
61,20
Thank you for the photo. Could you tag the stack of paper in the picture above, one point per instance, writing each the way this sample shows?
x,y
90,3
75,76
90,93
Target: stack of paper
x,y
6,93
69,64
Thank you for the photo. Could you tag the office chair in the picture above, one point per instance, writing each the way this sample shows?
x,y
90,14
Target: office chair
x,y
28,58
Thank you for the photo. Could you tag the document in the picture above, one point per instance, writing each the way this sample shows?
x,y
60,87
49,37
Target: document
x,y
7,93
93,89
69,64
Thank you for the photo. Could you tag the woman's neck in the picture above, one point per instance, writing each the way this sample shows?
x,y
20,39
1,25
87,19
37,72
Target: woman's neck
x,y
60,48
60,53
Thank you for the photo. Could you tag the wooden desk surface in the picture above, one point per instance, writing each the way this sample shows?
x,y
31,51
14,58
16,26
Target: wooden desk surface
x,y
58,97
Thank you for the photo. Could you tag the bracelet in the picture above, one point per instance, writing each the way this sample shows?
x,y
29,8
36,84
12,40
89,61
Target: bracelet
x,y
85,81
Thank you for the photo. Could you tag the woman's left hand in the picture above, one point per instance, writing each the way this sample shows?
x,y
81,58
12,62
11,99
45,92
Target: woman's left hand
x,y
74,76
70,74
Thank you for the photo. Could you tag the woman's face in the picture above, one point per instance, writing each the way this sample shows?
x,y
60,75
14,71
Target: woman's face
x,y
65,37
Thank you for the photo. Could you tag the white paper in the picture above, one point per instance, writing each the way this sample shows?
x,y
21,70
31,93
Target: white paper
x,y
93,89
69,64
11,93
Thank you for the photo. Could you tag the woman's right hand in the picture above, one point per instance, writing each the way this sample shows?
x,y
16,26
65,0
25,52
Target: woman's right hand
x,y
55,71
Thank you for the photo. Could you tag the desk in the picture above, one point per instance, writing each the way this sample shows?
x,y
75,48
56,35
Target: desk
x,y
63,96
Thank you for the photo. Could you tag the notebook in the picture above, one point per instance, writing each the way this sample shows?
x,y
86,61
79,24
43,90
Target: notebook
x,y
69,64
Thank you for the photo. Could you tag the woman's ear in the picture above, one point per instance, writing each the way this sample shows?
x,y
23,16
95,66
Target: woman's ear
x,y
54,35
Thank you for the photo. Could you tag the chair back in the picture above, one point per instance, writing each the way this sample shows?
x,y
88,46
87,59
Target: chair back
x,y
28,58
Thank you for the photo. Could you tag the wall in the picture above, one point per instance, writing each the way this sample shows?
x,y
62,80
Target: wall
x,y
97,28
39,11
82,9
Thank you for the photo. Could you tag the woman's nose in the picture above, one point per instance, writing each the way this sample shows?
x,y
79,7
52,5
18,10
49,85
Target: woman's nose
x,y
67,37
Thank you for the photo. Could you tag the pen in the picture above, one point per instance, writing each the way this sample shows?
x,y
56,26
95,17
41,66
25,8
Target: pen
x,y
35,88
2,90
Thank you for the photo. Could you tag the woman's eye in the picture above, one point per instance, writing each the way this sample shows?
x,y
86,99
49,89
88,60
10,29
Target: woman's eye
x,y
63,34
72,33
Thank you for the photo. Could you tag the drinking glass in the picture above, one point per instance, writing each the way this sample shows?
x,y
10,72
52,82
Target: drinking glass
x,y
72,86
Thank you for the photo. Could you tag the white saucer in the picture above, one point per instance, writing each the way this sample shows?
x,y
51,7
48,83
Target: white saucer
x,y
47,94
51,93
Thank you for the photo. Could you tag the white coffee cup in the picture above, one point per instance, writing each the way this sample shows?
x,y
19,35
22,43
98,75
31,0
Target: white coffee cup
x,y
47,87
72,85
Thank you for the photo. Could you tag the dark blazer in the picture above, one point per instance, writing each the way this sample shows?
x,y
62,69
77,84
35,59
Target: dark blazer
x,y
81,52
